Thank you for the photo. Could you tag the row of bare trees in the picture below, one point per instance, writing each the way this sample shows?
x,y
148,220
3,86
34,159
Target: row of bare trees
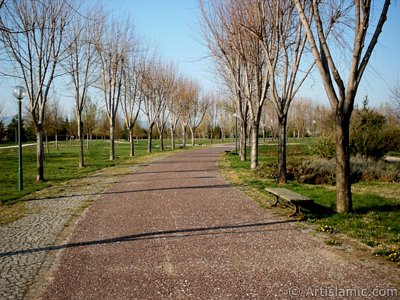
x,y
265,49
77,45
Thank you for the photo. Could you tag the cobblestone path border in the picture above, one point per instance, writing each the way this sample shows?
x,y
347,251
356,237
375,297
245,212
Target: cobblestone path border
x,y
25,243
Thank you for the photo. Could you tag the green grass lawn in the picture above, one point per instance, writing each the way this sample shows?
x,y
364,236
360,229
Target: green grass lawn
x,y
375,220
62,165
59,165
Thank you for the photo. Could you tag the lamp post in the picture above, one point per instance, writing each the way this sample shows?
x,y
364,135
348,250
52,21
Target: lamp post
x,y
236,138
314,123
19,93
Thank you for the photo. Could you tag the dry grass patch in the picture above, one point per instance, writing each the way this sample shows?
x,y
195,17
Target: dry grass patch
x,y
12,212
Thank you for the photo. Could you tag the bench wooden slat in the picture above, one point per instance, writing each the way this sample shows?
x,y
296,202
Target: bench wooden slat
x,y
290,196
286,194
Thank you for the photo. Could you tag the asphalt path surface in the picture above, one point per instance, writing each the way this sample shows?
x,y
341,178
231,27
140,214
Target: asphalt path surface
x,y
176,230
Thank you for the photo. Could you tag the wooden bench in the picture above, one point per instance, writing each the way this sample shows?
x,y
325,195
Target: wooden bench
x,y
290,196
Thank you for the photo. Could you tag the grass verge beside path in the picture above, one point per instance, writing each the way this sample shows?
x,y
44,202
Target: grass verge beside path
x,y
60,165
375,221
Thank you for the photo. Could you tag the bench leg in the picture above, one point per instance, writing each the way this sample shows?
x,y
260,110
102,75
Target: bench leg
x,y
276,202
296,211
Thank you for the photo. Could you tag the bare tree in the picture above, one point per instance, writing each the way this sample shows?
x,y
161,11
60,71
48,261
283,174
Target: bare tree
x,y
155,85
301,116
81,64
265,121
177,106
35,52
11,29
55,118
131,96
225,114
212,115
228,25
395,95
341,97
197,108
283,42
161,122
90,118
167,85
222,44
113,48
1,111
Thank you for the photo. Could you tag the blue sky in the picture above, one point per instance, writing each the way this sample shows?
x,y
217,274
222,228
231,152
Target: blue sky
x,y
173,25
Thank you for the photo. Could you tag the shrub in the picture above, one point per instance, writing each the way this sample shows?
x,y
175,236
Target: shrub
x,y
320,171
370,170
370,134
324,146
267,170
323,171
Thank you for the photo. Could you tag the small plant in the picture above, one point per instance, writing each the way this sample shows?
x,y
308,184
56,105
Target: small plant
x,y
327,229
390,253
333,243
371,243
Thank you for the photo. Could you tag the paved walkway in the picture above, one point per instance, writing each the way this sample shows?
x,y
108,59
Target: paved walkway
x,y
176,230
26,245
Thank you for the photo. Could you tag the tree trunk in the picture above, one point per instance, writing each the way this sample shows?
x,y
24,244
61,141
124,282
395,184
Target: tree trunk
x,y
184,136
47,143
343,180
112,141
263,133
132,147
81,138
282,150
254,146
272,134
173,138
162,139
242,141
192,136
149,139
39,153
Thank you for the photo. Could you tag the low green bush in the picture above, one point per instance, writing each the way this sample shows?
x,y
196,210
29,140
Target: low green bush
x,y
370,134
322,171
324,146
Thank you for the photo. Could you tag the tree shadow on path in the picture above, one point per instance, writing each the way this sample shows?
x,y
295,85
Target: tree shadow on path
x,y
177,233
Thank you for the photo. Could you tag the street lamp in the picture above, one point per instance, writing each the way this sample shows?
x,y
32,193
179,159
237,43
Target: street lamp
x,y
314,123
236,139
19,93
